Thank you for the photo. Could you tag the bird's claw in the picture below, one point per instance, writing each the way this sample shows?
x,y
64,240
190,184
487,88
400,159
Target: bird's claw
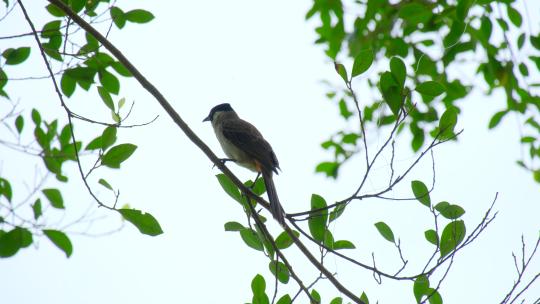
x,y
223,161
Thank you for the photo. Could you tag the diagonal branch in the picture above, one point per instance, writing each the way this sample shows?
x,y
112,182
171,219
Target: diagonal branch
x,y
146,84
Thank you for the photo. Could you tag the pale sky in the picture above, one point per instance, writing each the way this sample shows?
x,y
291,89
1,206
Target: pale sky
x,y
260,57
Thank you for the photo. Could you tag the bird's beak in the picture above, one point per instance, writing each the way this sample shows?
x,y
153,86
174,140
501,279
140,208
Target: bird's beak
x,y
207,118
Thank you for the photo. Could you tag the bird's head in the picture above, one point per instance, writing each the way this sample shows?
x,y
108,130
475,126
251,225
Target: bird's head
x,y
219,110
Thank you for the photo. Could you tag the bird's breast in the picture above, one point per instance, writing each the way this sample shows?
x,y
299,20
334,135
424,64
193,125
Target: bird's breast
x,y
234,152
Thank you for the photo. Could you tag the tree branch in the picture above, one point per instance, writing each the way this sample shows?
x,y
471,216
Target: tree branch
x,y
146,84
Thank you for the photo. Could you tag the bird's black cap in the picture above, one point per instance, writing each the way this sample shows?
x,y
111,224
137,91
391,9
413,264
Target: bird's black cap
x,y
224,107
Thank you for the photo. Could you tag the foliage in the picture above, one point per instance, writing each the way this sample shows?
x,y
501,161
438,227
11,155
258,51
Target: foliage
x,y
390,48
425,44
81,64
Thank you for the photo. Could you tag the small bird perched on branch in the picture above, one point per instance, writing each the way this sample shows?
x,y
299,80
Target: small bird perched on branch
x,y
244,144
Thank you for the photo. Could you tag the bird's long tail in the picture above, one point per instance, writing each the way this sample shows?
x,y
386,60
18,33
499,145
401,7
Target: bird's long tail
x,y
275,206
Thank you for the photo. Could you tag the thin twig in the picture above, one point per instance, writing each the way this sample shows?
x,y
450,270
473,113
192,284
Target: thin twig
x,y
63,104
192,136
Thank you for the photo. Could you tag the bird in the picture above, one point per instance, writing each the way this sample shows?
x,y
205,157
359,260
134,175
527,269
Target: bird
x,y
245,145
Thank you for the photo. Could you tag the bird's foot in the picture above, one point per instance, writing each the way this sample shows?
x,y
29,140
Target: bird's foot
x,y
255,181
224,160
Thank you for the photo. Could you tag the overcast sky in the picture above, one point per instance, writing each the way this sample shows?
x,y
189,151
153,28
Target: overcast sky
x,y
260,57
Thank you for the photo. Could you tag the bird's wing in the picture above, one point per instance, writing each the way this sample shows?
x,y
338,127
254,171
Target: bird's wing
x,y
247,138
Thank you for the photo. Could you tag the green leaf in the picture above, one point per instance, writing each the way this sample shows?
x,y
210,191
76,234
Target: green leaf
x,y
5,189
315,295
118,17
16,56
121,102
317,220
65,135
106,97
536,176
19,123
343,244
3,82
337,300
343,110
535,41
328,239
234,226
418,138
280,271
415,13
340,69
145,222
486,27
36,208
55,42
99,61
528,139
116,117
421,192
337,212
284,240
61,240
496,119
523,69
452,235
77,5
514,16
329,168
67,84
139,16
364,298
36,117
55,10
105,184
95,144
397,67
121,69
449,211
286,299
51,29
521,40
69,150
84,76
108,138
362,62
52,164
266,243
434,296
91,6
350,138
432,237
453,37
259,187
229,187
117,154
109,82
55,197
52,51
447,123
258,286
391,92
42,138
503,24
385,231
430,88
462,8
12,241
420,287
250,237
